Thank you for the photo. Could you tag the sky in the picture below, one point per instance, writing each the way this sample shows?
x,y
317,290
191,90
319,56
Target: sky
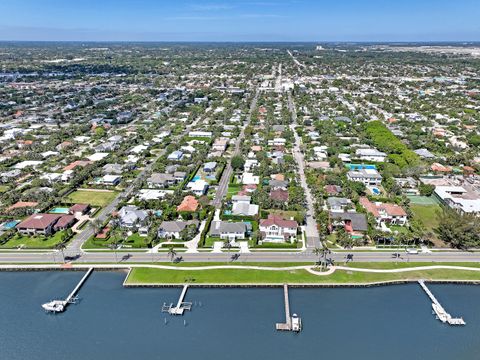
x,y
240,20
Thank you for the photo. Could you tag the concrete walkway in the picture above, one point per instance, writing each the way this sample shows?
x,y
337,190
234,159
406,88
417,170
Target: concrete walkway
x,y
310,268
192,245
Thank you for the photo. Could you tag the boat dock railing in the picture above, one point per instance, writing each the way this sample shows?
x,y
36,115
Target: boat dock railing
x,y
287,325
438,309
56,306
181,305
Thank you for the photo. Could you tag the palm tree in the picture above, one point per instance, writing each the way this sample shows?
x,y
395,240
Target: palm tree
x,y
61,246
113,246
97,225
322,254
318,251
172,253
228,246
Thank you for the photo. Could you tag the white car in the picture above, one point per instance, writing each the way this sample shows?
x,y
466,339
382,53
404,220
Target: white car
x,y
411,251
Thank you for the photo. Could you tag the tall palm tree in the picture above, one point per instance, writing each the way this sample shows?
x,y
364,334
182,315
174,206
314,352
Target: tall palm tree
x,y
319,252
96,224
227,245
61,246
172,253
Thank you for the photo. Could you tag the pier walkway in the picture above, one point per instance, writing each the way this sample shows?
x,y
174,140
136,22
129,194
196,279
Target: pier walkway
x,y
438,309
181,305
56,306
287,325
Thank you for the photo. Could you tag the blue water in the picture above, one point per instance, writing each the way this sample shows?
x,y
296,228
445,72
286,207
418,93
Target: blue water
x,y
10,224
196,178
112,322
360,166
59,210
376,191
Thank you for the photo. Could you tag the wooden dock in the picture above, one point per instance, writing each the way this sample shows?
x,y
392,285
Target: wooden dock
x,y
438,309
287,325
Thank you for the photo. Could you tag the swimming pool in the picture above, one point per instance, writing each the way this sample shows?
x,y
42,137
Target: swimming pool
x,y
59,210
10,224
376,191
196,178
361,166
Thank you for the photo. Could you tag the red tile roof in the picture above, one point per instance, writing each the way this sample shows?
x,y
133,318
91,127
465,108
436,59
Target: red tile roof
x,y
22,204
38,221
189,203
64,221
79,208
375,208
74,164
279,221
279,195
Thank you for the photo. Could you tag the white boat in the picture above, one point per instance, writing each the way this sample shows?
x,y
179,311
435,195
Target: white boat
x,y
54,306
296,323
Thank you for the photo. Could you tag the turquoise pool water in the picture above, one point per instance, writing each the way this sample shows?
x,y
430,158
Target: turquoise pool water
x,y
360,166
376,191
196,178
10,224
59,210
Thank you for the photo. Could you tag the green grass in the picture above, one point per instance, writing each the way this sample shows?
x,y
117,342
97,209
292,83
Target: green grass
x,y
247,276
422,200
427,214
233,189
33,242
133,241
3,188
94,198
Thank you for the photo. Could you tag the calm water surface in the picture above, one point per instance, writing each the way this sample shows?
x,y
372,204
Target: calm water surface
x,y
111,322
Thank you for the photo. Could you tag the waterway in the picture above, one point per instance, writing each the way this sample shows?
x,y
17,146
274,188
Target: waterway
x,y
111,322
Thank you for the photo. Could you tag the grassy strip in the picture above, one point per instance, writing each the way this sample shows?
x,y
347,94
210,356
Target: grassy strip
x,y
247,276
403,265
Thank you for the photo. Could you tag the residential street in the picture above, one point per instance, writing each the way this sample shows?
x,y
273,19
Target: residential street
x,y
312,235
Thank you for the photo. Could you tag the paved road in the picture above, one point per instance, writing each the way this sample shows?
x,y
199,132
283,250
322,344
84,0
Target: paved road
x,y
311,230
109,257
75,246
227,173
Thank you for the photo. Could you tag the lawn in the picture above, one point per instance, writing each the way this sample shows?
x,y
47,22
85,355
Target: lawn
x,y
247,276
94,198
33,242
3,188
233,189
133,241
427,214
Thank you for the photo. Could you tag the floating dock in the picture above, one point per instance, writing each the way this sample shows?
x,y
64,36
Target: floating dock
x,y
181,305
438,310
56,306
292,323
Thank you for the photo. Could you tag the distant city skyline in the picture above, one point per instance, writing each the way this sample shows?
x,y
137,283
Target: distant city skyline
x,y
240,20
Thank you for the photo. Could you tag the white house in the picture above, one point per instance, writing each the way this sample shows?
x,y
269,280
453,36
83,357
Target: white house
x,y
198,187
369,177
370,155
276,229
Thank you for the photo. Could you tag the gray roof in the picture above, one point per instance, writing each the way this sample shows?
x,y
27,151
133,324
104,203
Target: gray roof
x,y
113,169
131,214
425,154
160,178
338,201
175,226
278,183
243,208
210,165
222,227
359,220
